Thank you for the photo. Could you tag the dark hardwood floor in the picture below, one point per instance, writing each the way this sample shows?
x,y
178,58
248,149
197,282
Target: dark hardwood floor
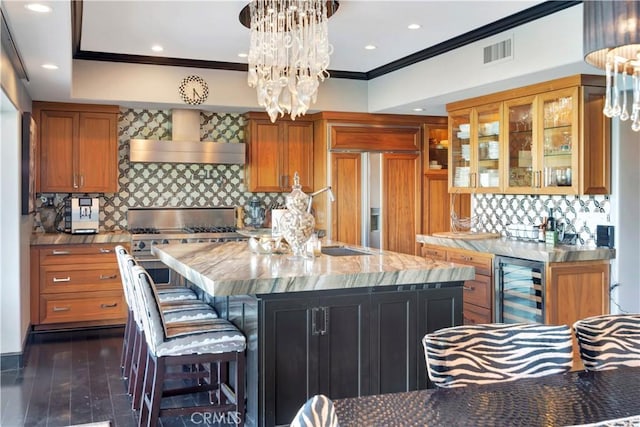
x,y
71,378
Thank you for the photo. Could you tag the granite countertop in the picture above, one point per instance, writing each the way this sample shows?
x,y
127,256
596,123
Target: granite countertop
x,y
527,250
72,239
231,269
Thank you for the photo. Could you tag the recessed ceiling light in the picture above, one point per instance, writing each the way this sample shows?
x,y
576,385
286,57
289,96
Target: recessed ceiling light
x,y
413,26
418,109
242,55
157,48
370,47
38,7
50,66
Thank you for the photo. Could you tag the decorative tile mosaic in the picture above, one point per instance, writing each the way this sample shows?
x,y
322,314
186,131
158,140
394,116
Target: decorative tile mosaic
x,y
173,185
495,212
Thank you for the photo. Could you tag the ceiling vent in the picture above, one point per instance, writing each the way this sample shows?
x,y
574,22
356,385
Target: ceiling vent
x,y
498,52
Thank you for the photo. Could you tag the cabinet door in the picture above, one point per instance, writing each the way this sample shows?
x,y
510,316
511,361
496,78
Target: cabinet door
x,y
575,291
400,207
559,113
486,145
520,152
394,342
437,309
298,155
265,163
97,153
288,375
343,362
346,170
58,131
460,151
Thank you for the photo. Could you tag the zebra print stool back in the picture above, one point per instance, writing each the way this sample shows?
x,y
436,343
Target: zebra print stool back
x,y
316,412
484,354
609,341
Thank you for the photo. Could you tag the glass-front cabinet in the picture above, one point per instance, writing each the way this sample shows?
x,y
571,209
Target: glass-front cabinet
x,y
558,112
521,155
475,149
541,154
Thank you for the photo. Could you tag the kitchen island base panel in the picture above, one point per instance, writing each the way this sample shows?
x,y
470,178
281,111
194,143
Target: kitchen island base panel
x,y
343,343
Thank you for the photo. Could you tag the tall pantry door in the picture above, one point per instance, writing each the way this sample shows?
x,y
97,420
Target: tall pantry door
x,y
346,170
400,197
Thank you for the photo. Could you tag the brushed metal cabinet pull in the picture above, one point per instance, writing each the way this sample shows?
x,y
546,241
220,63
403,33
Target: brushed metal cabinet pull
x,y
325,323
108,276
105,251
466,258
75,181
314,316
81,181
61,308
115,304
62,279
59,252
467,288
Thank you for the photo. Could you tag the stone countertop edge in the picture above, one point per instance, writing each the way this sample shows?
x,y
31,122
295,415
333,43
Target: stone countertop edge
x,y
230,268
526,250
72,239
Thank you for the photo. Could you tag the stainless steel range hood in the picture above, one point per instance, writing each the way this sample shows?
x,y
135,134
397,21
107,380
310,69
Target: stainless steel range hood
x,y
185,146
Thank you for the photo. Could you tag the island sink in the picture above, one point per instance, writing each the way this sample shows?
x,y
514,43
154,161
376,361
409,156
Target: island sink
x,y
342,251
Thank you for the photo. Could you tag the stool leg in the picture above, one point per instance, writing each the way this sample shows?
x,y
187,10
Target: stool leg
x,y
240,386
140,375
155,385
128,346
135,360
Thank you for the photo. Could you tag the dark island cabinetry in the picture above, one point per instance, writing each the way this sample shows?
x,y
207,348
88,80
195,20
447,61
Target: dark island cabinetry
x,y
346,343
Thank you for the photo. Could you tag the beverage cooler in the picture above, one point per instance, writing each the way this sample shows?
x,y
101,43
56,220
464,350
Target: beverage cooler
x,y
519,290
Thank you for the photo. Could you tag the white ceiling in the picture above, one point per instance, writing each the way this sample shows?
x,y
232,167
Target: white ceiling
x,y
210,30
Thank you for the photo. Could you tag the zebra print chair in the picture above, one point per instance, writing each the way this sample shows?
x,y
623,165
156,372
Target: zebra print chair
x,y
316,412
609,341
484,354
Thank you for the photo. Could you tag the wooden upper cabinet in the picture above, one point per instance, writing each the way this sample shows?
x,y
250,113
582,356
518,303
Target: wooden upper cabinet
x,y
78,148
375,138
276,151
556,140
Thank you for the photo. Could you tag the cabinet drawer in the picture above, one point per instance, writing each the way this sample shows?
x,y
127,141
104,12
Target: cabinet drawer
x,y
78,278
80,307
434,252
474,315
78,254
478,291
481,263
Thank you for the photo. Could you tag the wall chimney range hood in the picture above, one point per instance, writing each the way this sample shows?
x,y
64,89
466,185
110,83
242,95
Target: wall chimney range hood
x,y
185,145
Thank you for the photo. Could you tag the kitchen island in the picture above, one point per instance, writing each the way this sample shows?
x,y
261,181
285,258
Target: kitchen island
x,y
344,326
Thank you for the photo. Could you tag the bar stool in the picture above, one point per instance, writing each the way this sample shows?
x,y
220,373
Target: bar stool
x,y
484,354
609,341
183,305
133,356
211,348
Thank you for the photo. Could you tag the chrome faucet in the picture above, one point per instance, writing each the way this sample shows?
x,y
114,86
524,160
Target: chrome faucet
x,y
311,196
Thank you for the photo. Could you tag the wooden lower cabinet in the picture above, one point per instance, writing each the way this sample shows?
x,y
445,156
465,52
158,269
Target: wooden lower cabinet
x,y
346,343
477,293
76,285
574,291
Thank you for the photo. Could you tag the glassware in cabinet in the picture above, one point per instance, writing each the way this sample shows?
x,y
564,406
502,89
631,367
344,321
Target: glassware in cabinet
x,y
460,150
521,157
559,160
487,147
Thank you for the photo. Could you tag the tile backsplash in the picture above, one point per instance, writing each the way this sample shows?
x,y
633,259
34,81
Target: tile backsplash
x,y
172,185
580,214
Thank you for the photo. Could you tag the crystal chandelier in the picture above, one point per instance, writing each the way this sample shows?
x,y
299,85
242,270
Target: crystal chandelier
x,y
612,42
289,52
